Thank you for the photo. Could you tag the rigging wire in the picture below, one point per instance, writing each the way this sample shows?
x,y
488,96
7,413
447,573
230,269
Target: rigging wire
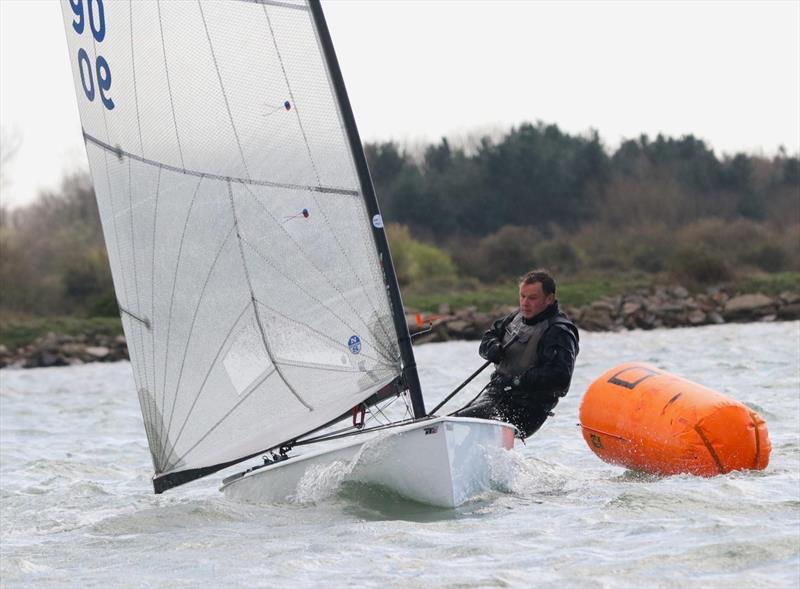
x,y
353,430
379,409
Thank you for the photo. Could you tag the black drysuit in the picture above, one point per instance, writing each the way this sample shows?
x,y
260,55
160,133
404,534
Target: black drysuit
x,y
524,391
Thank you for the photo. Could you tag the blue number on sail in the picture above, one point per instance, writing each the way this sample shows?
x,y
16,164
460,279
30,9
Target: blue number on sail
x,y
99,28
97,23
104,81
354,343
77,8
83,58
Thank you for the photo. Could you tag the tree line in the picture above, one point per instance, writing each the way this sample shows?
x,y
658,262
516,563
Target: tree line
x,y
540,196
539,176
460,216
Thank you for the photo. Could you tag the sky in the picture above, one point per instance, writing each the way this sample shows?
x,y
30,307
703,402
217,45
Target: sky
x,y
727,72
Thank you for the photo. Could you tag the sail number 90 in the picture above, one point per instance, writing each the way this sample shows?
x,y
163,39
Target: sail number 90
x,y
94,12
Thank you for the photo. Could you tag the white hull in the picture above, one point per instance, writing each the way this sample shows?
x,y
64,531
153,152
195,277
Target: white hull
x,y
444,462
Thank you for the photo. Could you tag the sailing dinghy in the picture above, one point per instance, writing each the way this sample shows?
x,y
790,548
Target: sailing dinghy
x,y
248,252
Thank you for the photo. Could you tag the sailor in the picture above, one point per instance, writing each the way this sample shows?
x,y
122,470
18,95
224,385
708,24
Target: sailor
x,y
534,350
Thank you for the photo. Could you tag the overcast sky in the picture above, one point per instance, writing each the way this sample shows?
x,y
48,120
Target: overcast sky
x,y
727,72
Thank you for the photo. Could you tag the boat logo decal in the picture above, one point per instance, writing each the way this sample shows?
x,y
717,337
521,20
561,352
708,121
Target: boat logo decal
x,y
431,430
377,221
354,343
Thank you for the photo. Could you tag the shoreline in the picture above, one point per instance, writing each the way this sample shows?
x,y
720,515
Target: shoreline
x,y
659,307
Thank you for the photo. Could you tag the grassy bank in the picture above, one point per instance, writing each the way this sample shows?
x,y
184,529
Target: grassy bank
x,y
570,292
769,284
583,290
17,331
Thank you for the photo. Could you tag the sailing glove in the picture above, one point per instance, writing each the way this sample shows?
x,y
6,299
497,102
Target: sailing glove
x,y
493,351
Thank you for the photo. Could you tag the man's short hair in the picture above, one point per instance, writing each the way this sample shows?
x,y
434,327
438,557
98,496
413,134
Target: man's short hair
x,y
534,276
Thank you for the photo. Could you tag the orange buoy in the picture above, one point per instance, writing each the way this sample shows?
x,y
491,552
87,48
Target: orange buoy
x,y
638,416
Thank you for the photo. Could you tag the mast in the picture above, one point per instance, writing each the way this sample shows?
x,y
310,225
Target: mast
x,y
410,376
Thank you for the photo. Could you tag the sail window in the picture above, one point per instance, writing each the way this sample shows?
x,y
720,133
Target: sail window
x,y
246,361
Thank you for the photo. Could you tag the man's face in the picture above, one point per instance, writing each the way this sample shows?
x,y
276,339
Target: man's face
x,y
532,299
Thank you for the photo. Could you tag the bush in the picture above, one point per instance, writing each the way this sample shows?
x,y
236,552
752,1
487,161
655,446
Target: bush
x,y
700,266
769,258
105,305
648,258
88,278
430,263
400,245
726,238
559,255
504,255
645,247
416,262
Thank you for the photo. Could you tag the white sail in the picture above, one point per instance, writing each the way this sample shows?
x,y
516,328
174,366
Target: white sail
x,y
251,293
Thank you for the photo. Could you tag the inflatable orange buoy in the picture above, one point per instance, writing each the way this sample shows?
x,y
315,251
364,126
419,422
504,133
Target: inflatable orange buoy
x,y
646,419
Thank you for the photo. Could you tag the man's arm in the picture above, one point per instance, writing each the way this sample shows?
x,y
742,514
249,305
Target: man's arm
x,y
491,347
554,373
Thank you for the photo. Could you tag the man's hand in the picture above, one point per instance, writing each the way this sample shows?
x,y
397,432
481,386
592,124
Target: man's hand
x,y
494,351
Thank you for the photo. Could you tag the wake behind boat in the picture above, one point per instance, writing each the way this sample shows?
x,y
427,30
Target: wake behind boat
x,y
251,267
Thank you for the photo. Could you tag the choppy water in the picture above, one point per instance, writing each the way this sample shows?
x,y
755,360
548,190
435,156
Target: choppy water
x,y
77,509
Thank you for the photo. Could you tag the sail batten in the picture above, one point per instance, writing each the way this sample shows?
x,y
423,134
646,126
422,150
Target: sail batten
x,y
243,252
212,176
298,6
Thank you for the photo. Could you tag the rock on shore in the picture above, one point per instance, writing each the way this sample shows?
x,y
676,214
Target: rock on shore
x,y
648,309
65,350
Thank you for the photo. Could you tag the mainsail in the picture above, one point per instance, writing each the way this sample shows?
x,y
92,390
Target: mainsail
x,y
240,223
